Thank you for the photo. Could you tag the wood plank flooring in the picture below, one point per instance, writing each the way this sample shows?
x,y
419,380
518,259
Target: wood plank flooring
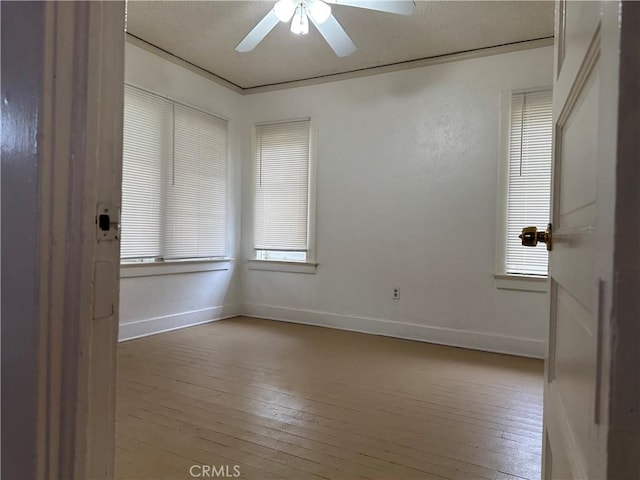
x,y
284,401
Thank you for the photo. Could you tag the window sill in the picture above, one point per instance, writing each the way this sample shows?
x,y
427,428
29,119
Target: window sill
x,y
282,266
526,283
171,267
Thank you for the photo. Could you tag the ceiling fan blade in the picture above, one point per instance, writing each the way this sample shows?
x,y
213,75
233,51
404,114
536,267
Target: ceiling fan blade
x,y
335,36
401,7
257,34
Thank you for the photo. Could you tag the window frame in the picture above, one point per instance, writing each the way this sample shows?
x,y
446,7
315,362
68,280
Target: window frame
x,y
149,266
291,266
502,279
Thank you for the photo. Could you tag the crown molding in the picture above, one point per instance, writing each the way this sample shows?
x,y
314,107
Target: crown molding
x,y
364,72
150,47
395,67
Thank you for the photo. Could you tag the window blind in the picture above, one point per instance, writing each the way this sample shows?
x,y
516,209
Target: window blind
x,y
196,187
147,147
529,182
174,198
282,186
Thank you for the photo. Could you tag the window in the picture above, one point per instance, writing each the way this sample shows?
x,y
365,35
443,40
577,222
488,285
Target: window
x,y
529,178
174,180
282,191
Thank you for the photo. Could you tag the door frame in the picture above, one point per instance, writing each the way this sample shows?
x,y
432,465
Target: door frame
x,y
623,414
80,161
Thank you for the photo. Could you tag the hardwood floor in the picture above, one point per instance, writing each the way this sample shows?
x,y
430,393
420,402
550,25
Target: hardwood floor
x,y
296,402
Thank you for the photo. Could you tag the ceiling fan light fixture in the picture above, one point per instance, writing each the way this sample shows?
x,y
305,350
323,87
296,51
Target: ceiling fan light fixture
x,y
300,22
319,11
284,10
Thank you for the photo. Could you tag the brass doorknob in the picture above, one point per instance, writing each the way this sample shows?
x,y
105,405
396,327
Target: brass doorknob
x,y
531,236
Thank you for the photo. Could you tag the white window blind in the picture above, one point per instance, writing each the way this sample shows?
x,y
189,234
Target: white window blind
x,y
147,146
174,180
529,182
196,187
282,186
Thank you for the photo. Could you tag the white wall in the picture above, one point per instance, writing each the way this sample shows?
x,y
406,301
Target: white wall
x,y
160,302
406,195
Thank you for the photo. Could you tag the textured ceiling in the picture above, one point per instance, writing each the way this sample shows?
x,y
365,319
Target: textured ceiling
x,y
206,33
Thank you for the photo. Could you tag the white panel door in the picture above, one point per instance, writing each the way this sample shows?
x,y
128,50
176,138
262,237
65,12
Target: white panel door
x,y
581,264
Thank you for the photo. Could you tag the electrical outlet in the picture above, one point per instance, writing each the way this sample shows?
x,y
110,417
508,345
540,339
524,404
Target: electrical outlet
x,y
396,293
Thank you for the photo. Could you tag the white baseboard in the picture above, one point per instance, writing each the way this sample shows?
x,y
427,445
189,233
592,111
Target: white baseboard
x,y
152,326
524,347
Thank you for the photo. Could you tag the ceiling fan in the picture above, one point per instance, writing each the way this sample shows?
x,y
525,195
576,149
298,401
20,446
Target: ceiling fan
x,y
299,12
